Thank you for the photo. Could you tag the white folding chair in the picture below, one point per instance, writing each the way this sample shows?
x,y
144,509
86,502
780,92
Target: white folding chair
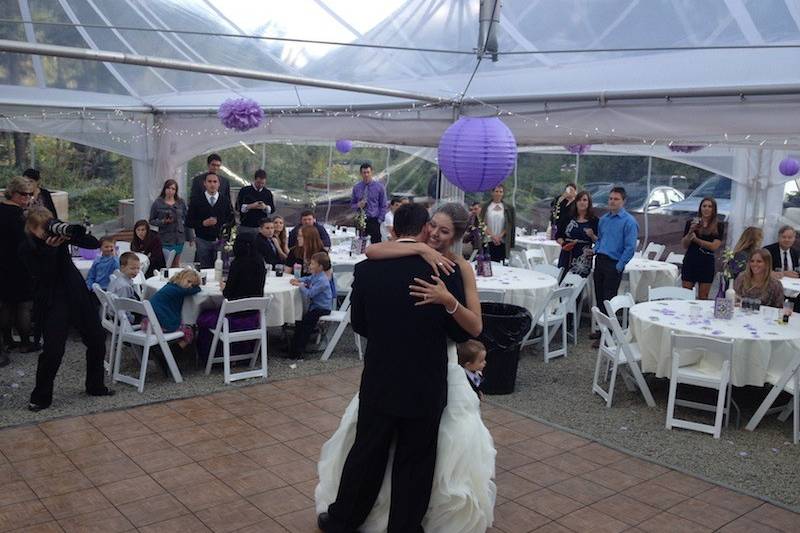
x,y
144,262
534,257
123,246
553,318
342,317
109,321
169,257
793,408
615,350
491,295
578,285
550,270
620,302
691,368
675,259
671,293
343,277
223,334
516,259
146,338
653,251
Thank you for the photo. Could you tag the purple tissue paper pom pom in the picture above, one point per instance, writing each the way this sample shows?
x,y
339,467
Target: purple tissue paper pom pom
x,y
240,114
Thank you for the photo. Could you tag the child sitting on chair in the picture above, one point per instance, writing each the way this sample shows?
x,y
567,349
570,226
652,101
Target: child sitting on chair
x,y
168,302
472,356
121,285
317,287
104,265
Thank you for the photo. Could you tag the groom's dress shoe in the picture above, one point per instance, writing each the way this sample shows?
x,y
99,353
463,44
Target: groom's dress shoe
x,y
324,521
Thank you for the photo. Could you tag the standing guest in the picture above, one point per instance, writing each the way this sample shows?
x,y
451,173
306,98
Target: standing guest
x,y
254,203
560,209
283,238
308,244
578,233
501,222
317,288
618,231
756,281
472,236
266,244
214,163
41,196
307,220
785,260
145,241
168,214
370,196
702,237
16,288
748,242
104,265
388,219
60,301
168,302
208,214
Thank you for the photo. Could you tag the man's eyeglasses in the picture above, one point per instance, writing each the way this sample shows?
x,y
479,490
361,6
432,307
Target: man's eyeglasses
x,y
25,193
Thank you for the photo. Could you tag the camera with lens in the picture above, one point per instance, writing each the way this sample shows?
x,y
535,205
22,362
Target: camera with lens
x,y
56,228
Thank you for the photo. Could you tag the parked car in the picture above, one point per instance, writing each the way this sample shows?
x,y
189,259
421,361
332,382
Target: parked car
x,y
638,200
717,187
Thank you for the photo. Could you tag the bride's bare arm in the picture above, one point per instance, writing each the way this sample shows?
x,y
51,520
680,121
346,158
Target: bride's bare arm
x,y
440,263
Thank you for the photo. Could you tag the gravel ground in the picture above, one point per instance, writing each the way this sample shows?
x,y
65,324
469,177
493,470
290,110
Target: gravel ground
x,y
763,462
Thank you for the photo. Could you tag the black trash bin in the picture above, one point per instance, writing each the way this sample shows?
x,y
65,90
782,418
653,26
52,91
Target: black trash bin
x,y
504,328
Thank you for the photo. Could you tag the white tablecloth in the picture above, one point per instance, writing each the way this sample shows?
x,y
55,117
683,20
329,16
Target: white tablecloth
x,y
84,265
643,273
791,287
762,348
540,241
286,305
341,235
522,287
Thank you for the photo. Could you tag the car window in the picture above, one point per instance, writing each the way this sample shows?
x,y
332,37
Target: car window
x,y
659,196
673,196
717,187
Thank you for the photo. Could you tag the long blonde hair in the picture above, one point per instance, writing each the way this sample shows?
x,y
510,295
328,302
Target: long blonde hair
x,y
750,241
762,282
187,274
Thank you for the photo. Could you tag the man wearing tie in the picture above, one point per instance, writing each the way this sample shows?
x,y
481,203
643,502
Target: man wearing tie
x,y
208,214
370,196
784,258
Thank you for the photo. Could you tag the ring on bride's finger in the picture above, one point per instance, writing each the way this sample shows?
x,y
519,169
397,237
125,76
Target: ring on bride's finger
x,y
440,264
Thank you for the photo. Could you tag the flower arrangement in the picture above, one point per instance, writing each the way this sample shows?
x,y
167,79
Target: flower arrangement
x,y
480,236
731,265
361,222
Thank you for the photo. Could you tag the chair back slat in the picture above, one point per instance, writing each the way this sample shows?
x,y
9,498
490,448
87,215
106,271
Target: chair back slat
x,y
671,293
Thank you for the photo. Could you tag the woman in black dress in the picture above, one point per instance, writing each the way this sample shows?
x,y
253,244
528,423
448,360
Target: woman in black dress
x,y
703,236
577,233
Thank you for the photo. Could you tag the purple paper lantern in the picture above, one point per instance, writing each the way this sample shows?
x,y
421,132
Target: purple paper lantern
x,y
789,166
344,145
685,148
240,114
477,153
578,148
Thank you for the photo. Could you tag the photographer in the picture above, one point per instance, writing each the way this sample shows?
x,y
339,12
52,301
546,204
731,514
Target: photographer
x,y
61,300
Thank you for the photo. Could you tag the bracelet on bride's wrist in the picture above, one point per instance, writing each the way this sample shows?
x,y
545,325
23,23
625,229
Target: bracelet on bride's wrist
x,y
449,312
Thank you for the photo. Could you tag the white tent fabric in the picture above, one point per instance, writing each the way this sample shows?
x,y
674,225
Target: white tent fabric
x,y
632,74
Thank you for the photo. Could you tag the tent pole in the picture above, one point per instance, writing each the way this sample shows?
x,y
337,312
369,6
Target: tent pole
x,y
647,207
577,167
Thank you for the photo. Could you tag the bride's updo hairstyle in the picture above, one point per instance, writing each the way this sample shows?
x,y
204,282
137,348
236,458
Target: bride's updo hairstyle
x,y
458,215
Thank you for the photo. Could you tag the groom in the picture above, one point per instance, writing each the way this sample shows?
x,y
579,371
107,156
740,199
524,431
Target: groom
x,y
403,387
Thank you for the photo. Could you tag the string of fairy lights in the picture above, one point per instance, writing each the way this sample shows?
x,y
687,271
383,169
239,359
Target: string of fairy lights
x,y
546,118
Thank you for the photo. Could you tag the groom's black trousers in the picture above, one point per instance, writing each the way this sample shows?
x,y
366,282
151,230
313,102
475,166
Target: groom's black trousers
x,y
412,471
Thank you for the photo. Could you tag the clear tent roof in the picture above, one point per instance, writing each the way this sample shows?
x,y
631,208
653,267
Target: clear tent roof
x,y
432,40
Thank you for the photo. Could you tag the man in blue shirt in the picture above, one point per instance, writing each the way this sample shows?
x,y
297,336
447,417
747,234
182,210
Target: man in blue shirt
x,y
617,241
370,196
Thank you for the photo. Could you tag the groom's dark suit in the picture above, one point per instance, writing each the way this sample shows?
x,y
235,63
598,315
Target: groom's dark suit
x,y
402,395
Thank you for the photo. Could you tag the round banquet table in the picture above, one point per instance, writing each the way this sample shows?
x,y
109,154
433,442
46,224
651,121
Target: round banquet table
x,y
286,305
762,348
540,241
791,287
520,286
644,273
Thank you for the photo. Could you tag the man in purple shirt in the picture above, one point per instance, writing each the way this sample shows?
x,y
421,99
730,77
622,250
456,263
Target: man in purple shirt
x,y
370,196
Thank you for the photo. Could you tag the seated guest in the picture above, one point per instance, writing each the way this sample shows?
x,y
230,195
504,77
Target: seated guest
x,y
749,242
308,244
168,303
307,220
785,260
702,237
472,356
317,288
388,220
756,281
245,280
147,242
104,265
122,284
266,244
283,237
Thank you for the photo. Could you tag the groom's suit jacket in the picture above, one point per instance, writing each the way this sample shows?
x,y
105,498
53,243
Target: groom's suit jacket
x,y
405,364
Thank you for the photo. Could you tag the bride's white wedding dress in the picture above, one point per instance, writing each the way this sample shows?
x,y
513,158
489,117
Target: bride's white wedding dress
x,y
463,495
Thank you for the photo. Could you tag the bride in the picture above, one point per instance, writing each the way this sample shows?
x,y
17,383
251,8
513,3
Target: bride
x,y
463,494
